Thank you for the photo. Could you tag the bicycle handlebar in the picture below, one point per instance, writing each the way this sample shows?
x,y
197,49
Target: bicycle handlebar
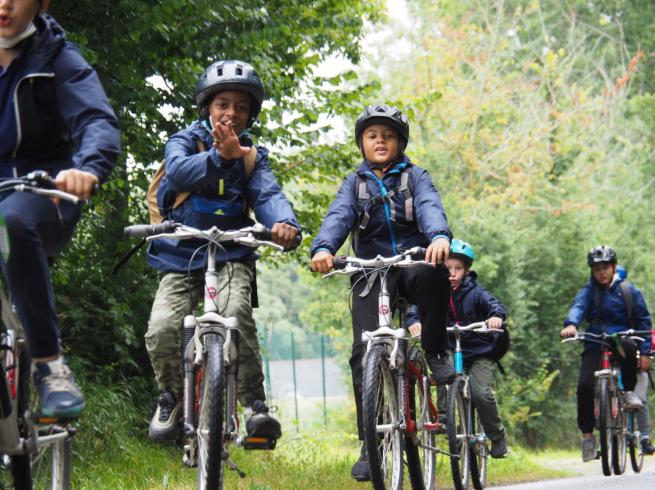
x,y
478,327
37,182
351,265
143,231
593,337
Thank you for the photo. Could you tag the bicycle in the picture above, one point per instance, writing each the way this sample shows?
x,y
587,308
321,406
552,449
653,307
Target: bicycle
x,y
32,447
398,404
467,445
211,360
608,405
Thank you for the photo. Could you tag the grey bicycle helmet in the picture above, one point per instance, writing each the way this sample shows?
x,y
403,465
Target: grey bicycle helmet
x,y
382,114
231,75
601,253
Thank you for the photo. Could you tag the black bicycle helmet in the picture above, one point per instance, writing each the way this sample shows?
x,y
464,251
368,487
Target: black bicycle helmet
x,y
601,253
383,114
231,75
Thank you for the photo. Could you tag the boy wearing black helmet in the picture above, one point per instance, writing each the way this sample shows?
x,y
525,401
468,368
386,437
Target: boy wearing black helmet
x,y
54,116
601,303
208,159
390,205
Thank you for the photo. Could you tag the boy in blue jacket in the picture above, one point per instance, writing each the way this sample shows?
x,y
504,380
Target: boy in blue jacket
x,y
207,159
471,303
601,303
54,116
378,205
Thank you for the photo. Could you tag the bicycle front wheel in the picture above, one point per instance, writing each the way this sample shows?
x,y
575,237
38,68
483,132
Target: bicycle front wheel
x,y
381,432
478,452
210,416
634,445
51,466
458,433
420,446
605,426
619,434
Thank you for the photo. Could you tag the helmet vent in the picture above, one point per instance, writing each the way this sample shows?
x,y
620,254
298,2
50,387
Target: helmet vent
x,y
219,71
239,70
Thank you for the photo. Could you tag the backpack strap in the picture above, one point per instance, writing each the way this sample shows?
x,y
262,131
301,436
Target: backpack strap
x,y
363,199
629,301
182,196
406,188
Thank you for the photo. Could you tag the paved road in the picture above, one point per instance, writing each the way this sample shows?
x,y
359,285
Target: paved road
x,y
596,480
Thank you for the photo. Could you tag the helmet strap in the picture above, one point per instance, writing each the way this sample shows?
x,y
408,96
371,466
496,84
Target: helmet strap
x,y
8,43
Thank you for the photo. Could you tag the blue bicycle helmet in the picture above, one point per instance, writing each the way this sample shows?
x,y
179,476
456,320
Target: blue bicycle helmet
x,y
462,250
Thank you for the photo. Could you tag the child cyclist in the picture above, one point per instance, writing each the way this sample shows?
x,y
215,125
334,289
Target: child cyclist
x,y
601,303
471,303
207,159
389,218
54,116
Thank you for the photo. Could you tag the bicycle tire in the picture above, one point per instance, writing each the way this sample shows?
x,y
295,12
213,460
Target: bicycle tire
x,y
380,408
478,452
605,426
634,446
51,465
458,433
210,415
421,461
619,434
20,465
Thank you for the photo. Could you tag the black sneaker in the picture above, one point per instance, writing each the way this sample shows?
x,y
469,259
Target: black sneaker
x,y
499,449
647,446
59,395
442,369
261,424
360,470
163,426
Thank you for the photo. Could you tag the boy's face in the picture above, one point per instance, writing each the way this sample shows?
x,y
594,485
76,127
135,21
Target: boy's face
x,y
603,272
380,144
15,16
457,270
233,106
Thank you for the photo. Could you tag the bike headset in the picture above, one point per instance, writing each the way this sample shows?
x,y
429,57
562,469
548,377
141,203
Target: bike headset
x,y
462,250
8,43
383,114
226,75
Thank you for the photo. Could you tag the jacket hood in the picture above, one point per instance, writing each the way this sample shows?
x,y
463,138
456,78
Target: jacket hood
x,y
46,42
469,282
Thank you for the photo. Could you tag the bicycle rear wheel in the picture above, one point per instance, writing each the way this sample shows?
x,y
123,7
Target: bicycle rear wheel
x,y
421,457
381,433
634,445
619,434
478,452
210,416
458,433
605,426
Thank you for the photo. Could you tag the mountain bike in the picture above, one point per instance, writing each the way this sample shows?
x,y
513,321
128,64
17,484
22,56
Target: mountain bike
x,y
211,359
613,421
33,449
398,396
467,441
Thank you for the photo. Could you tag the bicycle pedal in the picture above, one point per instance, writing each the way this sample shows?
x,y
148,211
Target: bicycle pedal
x,y
256,442
43,420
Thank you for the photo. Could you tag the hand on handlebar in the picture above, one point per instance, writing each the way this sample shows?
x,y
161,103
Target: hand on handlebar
x,y
284,234
438,251
568,331
76,182
322,262
644,363
494,323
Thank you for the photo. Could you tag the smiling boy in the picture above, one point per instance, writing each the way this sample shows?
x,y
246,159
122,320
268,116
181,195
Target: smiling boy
x,y
207,160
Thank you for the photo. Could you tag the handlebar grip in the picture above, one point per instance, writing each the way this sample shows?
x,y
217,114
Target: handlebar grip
x,y
142,231
265,234
339,262
420,254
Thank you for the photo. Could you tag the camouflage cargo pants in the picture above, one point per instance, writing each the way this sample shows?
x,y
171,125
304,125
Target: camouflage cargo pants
x,y
179,295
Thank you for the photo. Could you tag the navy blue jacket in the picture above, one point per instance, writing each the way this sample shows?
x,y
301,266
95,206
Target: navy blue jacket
x,y
611,314
472,304
63,118
385,235
219,196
